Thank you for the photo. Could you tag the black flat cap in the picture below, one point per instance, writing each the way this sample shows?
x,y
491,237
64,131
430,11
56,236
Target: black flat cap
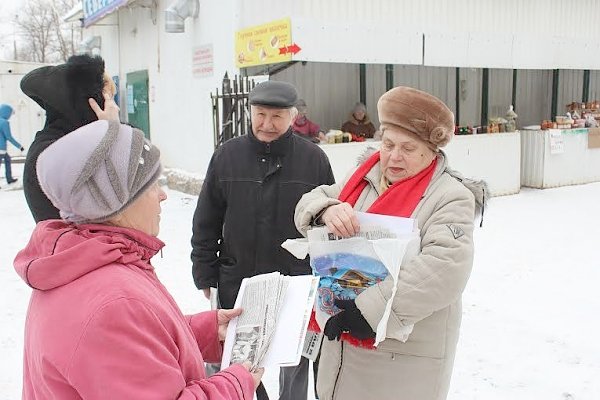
x,y
273,94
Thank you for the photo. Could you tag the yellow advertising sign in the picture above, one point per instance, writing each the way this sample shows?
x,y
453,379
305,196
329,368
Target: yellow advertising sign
x,y
263,44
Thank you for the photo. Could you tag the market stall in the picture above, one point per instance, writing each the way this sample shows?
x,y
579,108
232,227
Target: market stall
x,y
560,157
476,156
493,157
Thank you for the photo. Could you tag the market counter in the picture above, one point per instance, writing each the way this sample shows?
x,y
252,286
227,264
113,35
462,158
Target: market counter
x,y
492,157
343,157
555,157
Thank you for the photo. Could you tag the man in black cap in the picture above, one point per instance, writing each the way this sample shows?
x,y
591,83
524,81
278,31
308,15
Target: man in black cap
x,y
246,207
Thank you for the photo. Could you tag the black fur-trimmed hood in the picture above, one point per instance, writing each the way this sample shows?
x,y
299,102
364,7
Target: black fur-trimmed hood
x,y
63,90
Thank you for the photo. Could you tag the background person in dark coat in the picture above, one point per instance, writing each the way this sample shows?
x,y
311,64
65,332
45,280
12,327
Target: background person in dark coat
x,y
359,122
246,207
63,92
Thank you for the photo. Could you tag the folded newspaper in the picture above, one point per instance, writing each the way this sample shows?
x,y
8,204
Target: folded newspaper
x,y
346,267
272,327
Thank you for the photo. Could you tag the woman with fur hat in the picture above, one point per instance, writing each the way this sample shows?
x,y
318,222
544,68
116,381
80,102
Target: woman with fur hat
x,y
63,91
359,122
100,324
408,177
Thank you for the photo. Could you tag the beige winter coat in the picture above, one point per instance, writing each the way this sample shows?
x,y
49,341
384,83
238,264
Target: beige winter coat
x,y
429,296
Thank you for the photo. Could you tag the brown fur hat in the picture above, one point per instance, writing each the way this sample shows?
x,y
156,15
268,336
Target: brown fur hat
x,y
418,113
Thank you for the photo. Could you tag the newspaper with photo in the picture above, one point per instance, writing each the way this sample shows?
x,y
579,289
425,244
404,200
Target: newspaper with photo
x,y
272,327
347,266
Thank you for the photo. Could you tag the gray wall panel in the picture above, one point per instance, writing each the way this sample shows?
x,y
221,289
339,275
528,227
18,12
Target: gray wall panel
x,y
375,88
534,96
570,88
439,81
470,96
500,92
329,89
594,85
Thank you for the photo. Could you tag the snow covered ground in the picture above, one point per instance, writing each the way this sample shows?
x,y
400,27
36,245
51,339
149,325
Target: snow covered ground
x,y
531,327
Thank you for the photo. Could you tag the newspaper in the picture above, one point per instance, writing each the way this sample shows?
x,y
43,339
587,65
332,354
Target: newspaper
x,y
348,266
369,232
372,227
272,326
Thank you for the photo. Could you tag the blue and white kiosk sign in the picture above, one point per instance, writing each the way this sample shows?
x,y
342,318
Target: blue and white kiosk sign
x,y
93,10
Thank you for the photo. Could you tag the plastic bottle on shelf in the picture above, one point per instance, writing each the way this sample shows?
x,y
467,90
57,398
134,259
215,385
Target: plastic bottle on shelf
x,y
511,116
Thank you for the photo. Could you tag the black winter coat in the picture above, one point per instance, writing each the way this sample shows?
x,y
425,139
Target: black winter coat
x,y
41,207
246,210
62,91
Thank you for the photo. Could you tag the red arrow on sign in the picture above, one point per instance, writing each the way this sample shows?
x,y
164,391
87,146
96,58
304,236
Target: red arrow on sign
x,y
294,48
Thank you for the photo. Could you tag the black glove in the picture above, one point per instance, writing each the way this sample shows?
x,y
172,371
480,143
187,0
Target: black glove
x,y
350,320
22,148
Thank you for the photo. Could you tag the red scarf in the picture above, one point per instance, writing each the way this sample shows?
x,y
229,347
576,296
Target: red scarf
x,y
399,200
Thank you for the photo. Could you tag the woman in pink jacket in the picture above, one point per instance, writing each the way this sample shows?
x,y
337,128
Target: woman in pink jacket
x,y
100,325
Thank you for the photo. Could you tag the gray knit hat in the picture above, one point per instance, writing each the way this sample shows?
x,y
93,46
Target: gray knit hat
x,y
96,171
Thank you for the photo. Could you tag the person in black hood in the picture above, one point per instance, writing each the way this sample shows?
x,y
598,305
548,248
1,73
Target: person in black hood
x,y
72,94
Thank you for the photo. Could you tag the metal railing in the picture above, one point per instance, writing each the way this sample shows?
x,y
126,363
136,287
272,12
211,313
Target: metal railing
x,y
231,116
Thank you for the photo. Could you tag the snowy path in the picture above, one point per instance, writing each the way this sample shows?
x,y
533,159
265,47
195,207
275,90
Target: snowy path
x,y
530,327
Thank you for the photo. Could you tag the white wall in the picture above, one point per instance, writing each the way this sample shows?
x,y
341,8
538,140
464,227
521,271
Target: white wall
x,y
108,30
180,105
525,34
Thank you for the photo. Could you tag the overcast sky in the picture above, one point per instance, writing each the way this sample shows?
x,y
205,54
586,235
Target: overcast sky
x,y
8,10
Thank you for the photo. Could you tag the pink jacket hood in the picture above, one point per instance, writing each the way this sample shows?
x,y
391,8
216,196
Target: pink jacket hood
x,y
47,262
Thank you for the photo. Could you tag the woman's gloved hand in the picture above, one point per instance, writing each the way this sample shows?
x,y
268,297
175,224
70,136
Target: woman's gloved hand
x,y
350,320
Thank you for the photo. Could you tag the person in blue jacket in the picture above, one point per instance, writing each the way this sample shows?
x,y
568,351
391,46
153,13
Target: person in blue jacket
x,y
5,136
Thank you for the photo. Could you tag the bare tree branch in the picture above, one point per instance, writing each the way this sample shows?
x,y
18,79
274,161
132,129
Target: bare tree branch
x,y
45,36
